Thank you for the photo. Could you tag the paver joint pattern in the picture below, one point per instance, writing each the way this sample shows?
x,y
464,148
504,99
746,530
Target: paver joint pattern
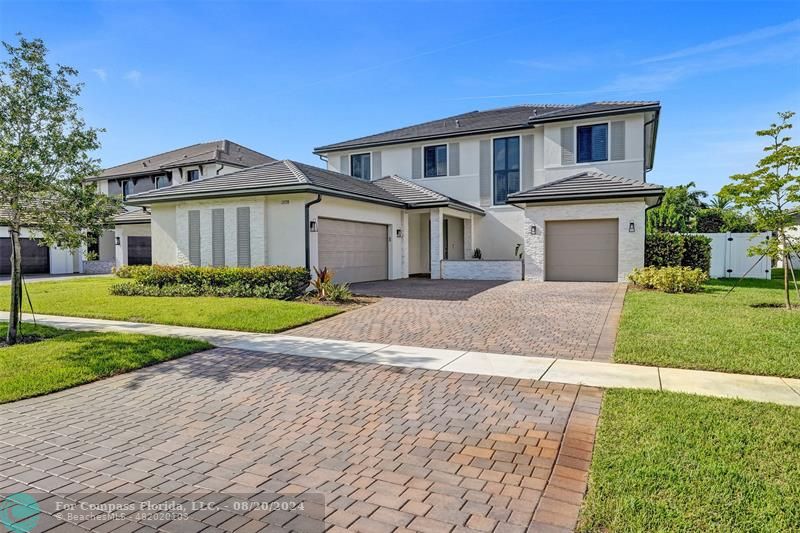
x,y
552,319
389,448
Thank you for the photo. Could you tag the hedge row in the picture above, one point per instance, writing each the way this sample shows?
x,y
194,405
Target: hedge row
x,y
669,279
278,282
675,250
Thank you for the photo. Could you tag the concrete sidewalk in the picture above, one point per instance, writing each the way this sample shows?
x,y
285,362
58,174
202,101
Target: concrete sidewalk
x,y
783,391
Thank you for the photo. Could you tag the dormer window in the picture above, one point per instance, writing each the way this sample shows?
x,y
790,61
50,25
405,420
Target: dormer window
x,y
592,143
127,188
192,175
360,166
163,181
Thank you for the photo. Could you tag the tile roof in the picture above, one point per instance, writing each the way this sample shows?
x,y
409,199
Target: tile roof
x,y
416,195
589,185
292,176
134,216
223,151
505,118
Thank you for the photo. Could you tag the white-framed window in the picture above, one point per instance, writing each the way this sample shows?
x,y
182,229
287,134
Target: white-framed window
x,y
361,166
435,161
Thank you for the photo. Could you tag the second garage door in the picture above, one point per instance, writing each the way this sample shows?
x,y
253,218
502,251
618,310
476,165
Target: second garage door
x,y
35,258
355,251
581,250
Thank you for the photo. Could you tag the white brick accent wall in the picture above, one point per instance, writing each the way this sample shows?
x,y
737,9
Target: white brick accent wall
x,y
481,269
437,245
631,245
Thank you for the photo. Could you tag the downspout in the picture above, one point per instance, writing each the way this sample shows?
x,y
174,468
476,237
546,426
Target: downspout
x,y
308,231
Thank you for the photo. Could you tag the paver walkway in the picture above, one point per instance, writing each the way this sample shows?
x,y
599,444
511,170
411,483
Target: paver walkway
x,y
564,320
387,448
778,390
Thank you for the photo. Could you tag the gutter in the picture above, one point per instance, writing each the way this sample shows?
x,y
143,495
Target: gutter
x,y
645,170
307,207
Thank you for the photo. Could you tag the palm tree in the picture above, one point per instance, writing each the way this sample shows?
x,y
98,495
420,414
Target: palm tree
x,y
720,202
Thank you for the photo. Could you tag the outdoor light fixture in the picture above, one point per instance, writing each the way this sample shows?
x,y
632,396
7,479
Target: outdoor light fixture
x,y
631,227
117,241
533,229
312,226
399,233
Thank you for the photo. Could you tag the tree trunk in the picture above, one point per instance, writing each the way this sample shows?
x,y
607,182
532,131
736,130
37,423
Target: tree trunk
x,y
15,310
786,267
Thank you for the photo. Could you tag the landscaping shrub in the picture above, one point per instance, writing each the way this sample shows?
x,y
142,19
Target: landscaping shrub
x,y
710,221
338,292
669,279
697,252
277,282
663,249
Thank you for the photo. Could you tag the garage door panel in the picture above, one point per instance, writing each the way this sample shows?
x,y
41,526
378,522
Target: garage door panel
x,y
355,251
582,250
139,250
35,258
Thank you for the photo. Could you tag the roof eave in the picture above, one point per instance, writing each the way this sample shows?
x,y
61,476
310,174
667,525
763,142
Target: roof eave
x,y
452,205
265,191
155,170
576,198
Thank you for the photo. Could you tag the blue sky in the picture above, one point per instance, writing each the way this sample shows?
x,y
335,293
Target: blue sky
x,y
285,77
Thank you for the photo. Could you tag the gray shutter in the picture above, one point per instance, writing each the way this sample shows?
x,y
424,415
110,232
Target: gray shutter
x,y
218,237
485,173
194,237
243,236
618,140
376,165
344,165
567,146
526,181
454,159
416,163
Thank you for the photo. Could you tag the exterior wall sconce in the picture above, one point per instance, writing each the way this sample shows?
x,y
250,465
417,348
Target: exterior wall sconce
x,y
117,241
533,229
312,226
399,233
631,227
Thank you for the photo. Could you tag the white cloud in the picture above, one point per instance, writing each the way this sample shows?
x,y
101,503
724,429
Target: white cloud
x,y
101,73
728,42
133,76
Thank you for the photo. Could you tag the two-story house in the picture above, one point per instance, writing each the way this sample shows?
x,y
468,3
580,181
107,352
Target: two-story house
x,y
548,192
130,241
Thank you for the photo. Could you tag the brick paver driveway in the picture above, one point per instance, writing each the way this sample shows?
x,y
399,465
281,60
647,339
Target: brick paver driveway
x,y
387,447
567,320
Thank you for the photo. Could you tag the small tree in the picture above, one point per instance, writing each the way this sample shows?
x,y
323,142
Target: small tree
x,y
678,210
44,158
771,193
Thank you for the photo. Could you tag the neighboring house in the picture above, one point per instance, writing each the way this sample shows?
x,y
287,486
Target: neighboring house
x,y
130,241
562,186
565,184
36,259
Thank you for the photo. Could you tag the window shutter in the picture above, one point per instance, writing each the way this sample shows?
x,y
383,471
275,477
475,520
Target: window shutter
x,y
376,166
485,167
194,237
344,165
618,140
567,147
218,237
454,159
416,163
527,163
243,236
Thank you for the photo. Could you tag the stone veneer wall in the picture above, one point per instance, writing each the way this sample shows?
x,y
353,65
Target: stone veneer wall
x,y
479,269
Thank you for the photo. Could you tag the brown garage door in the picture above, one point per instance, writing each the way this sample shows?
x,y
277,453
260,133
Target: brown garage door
x,y
355,251
139,251
35,258
581,250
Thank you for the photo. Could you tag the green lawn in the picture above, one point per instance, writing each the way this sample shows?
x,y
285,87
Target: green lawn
x,y
64,359
712,332
677,462
90,298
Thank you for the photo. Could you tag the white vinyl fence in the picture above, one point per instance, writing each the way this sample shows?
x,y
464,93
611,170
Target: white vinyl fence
x,y
729,257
